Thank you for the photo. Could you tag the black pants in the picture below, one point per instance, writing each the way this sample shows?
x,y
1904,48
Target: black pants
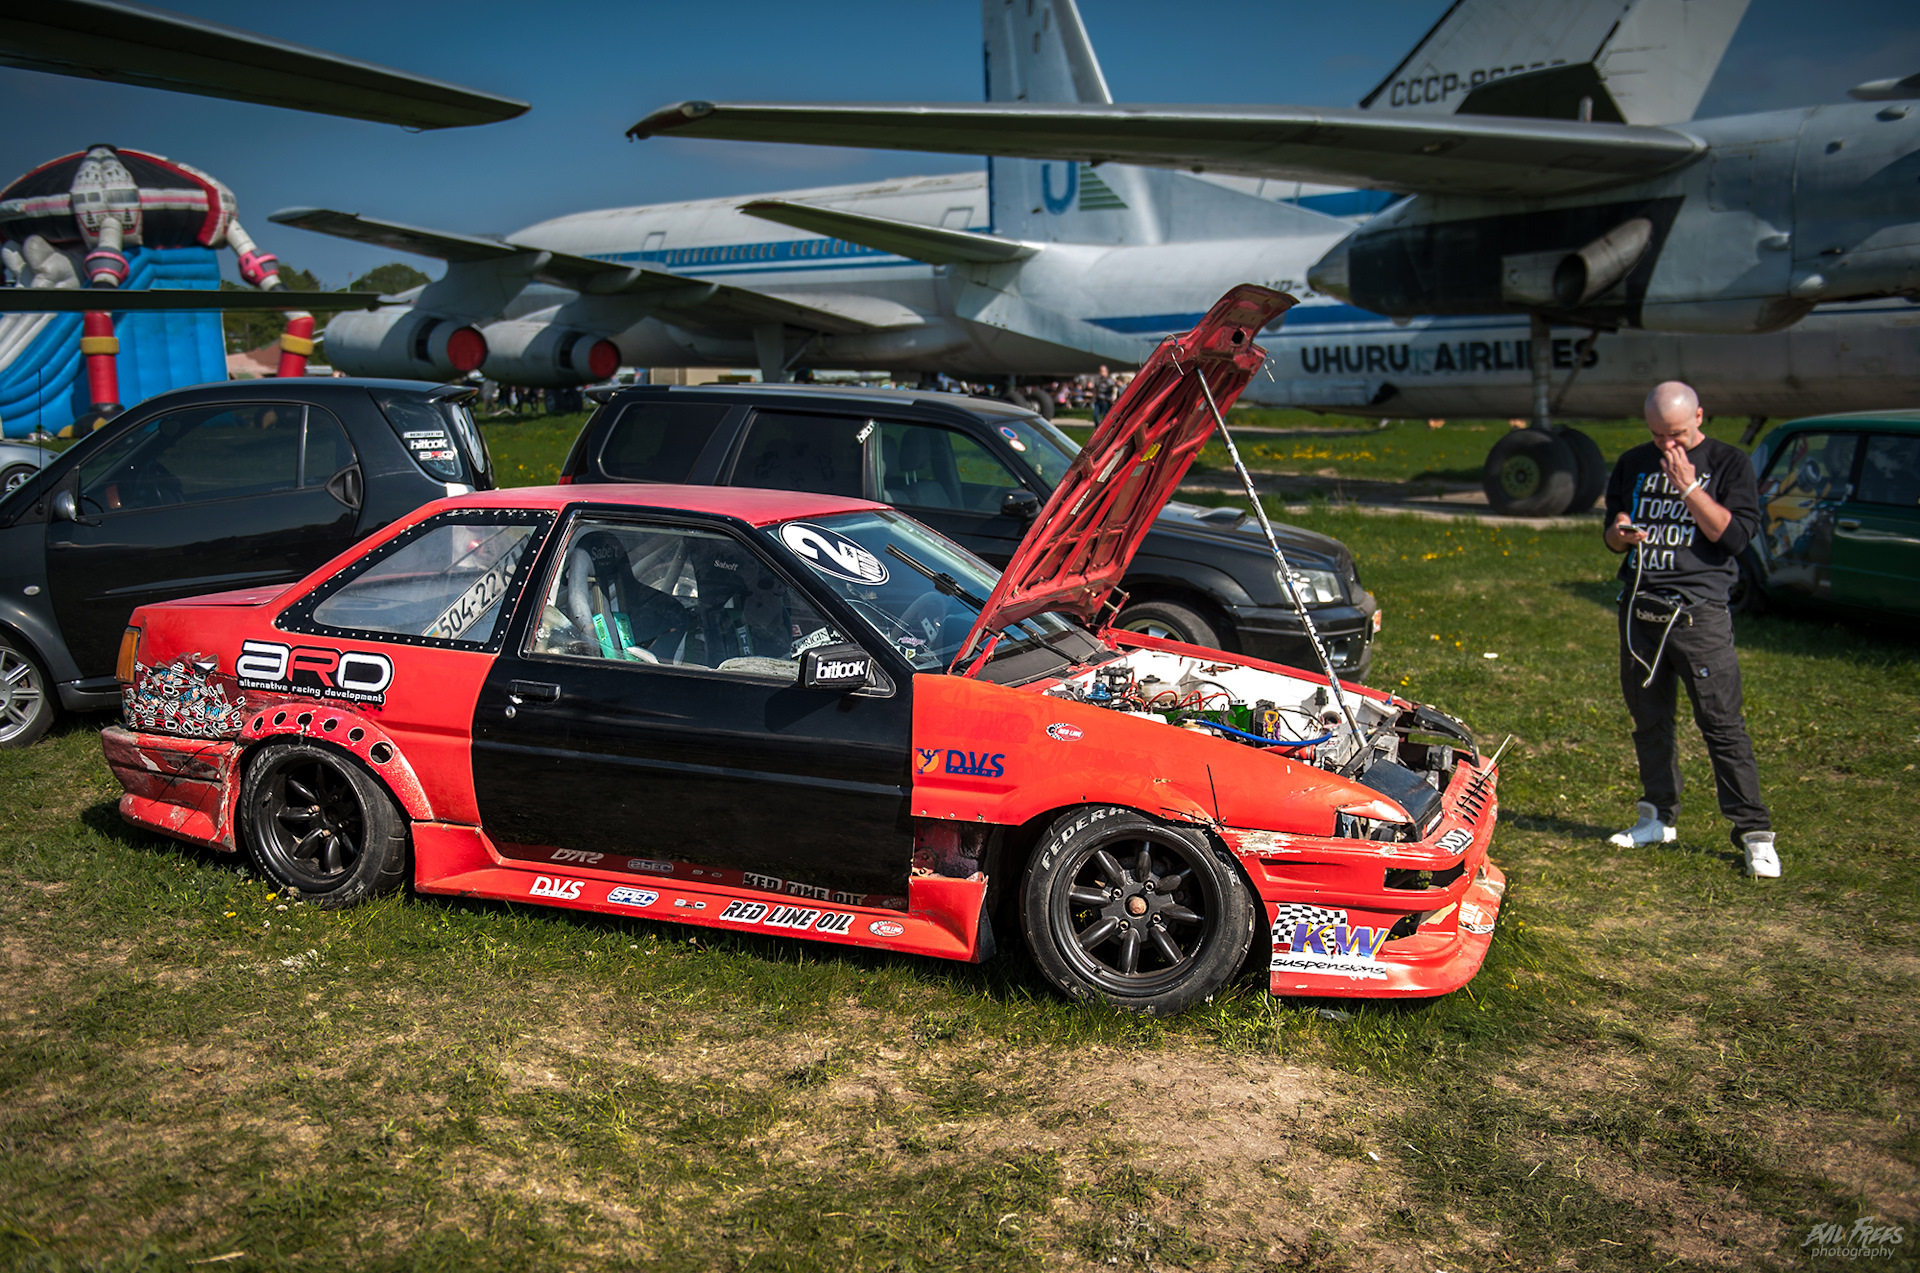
x,y
1699,653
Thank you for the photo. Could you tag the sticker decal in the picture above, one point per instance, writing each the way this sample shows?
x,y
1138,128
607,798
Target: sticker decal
x,y
353,676
546,886
182,697
1330,950
632,896
887,928
1475,919
1454,841
833,554
1061,731
980,764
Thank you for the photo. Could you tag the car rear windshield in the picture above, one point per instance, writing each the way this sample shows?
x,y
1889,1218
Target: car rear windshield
x,y
658,441
441,436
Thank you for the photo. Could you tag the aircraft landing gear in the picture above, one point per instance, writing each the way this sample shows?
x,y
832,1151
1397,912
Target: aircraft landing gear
x,y
1544,470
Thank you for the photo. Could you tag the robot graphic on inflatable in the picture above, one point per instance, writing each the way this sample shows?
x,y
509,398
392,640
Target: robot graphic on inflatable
x,y
72,223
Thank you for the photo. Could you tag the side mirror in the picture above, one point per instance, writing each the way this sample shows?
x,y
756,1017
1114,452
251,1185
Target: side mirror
x,y
66,508
835,667
1022,504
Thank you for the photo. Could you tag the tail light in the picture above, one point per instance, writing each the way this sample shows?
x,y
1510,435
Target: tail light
x,y
129,655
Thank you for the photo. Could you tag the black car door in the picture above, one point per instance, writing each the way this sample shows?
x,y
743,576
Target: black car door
x,y
193,500
650,707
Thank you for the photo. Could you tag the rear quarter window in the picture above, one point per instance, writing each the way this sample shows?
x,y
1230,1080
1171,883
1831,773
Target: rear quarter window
x,y
658,441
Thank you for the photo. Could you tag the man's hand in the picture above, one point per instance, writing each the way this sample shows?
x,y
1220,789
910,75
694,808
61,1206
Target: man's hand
x,y
1674,461
1623,534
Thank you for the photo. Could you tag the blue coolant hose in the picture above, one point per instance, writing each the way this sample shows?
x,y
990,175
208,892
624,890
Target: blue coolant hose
x,y
1243,735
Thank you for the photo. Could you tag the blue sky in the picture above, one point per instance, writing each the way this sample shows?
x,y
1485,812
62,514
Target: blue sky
x,y
592,69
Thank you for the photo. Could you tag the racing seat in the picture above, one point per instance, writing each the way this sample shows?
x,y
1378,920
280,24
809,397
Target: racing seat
x,y
612,614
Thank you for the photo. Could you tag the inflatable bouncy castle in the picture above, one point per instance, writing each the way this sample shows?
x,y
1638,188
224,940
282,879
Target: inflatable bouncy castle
x,y
112,219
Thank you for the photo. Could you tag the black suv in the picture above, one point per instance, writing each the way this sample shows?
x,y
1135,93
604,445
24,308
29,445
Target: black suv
x,y
221,487
978,471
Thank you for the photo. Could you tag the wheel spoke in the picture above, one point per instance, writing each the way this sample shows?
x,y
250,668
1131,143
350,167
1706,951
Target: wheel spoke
x,y
297,788
1084,896
1130,952
1116,874
1174,881
1098,933
294,813
333,858
16,673
1166,945
308,844
1178,914
1143,863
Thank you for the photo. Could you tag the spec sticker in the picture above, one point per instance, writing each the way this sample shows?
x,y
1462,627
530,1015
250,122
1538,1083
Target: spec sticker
x,y
833,554
566,890
477,601
650,866
887,928
1064,732
633,897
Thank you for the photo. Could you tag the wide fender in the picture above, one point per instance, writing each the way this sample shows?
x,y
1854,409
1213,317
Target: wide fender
x,y
347,731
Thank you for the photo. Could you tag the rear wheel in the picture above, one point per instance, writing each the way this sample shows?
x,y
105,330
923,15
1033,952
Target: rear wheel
x,y
1530,473
1139,914
1170,621
318,823
14,476
26,697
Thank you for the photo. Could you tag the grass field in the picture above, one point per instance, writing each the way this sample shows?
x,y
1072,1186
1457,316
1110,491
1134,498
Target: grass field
x,y
1662,1064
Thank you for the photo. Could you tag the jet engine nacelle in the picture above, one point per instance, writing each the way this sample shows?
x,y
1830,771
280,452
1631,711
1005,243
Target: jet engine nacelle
x,y
405,343
547,355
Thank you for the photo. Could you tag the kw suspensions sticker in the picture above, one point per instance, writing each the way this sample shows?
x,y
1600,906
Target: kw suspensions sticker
x,y
354,676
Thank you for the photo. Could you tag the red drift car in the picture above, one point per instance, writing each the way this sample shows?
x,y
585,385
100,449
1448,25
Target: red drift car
x,y
780,712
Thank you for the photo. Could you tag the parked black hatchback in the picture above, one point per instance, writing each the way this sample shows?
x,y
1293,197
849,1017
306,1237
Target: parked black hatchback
x,y
978,471
241,486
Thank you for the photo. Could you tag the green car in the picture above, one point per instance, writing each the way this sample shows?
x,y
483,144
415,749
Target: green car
x,y
1839,515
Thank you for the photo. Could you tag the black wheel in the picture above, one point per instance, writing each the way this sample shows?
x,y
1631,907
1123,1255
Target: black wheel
x,y
319,823
26,697
1591,469
14,476
1530,473
1746,597
1044,403
1143,915
1170,621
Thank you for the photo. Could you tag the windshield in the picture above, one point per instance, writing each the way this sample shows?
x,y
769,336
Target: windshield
x,y
858,557
1041,445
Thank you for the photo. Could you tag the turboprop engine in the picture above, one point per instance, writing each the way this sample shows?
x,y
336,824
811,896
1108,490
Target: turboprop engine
x,y
404,343
547,355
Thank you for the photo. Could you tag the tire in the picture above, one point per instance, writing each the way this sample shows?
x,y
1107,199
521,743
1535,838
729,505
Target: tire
x,y
1591,470
1044,403
27,708
1171,621
319,824
13,477
1746,598
1153,950
1530,473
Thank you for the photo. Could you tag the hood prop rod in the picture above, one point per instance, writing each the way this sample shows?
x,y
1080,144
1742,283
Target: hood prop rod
x,y
1287,583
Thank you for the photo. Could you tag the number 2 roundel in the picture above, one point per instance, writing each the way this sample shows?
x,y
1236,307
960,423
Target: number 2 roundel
x,y
833,554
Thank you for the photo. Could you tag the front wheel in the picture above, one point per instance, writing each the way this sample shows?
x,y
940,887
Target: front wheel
x,y
26,697
1170,622
1140,914
14,476
318,823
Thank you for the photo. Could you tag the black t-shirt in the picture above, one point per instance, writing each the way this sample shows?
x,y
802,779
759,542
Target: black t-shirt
x,y
1679,557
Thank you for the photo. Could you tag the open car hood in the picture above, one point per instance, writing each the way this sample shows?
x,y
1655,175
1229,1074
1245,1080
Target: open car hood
x,y
1081,544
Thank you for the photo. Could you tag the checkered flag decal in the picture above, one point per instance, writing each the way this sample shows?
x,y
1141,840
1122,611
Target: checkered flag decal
x,y
1291,914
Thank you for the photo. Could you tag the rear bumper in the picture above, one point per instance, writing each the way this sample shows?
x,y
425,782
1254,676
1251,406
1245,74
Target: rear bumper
x,y
181,787
1367,920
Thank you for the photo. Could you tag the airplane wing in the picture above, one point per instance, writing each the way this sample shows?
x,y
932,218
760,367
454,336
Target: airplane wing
x,y
132,44
79,300
661,291
1452,154
936,245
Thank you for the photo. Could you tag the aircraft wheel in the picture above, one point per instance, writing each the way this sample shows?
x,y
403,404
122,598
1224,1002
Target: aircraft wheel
x,y
1140,914
1529,473
317,822
1593,471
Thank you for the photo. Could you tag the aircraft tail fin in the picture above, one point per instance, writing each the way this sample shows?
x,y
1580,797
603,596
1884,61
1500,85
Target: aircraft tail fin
x,y
1615,61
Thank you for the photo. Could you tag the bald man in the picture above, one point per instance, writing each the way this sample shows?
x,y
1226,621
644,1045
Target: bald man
x,y
1682,507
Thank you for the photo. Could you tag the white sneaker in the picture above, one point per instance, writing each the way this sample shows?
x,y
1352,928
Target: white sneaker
x,y
1762,861
1649,830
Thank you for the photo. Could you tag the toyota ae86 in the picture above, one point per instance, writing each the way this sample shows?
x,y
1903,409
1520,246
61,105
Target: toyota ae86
x,y
790,713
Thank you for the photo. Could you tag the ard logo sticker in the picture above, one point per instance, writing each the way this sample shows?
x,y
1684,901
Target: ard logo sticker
x,y
833,554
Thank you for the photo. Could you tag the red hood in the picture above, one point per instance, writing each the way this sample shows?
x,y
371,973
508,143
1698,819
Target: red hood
x,y
1084,539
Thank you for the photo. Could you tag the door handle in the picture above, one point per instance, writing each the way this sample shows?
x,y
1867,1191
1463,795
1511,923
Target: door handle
x,y
533,692
1848,523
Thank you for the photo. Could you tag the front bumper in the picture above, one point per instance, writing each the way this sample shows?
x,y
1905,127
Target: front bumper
x,y
1275,633
1368,920
182,787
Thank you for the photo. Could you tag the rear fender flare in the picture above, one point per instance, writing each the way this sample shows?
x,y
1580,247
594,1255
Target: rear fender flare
x,y
345,732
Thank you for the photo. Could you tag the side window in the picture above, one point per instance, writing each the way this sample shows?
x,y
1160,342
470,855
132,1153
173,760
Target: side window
x,y
924,466
198,454
648,594
1891,473
448,581
327,448
1813,466
791,452
659,441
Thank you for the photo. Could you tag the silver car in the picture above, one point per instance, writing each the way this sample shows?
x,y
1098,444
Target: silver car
x,y
18,462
